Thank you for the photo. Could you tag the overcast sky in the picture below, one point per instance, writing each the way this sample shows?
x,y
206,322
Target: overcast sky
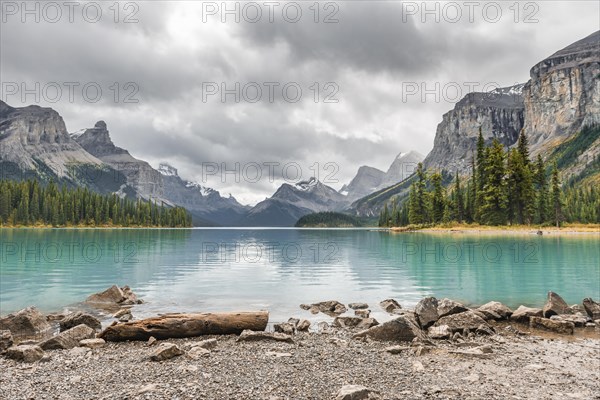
x,y
370,57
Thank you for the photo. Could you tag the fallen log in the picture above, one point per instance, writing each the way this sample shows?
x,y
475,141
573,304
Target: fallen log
x,y
187,325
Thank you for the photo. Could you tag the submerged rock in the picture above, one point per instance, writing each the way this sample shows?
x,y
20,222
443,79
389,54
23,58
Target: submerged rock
x,y
426,312
555,305
78,318
113,297
26,322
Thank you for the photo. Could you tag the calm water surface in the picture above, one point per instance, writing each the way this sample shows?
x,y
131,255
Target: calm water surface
x,y
278,269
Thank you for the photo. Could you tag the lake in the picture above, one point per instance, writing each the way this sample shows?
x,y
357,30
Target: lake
x,y
179,270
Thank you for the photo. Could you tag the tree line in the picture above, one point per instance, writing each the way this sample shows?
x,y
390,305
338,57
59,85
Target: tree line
x,y
504,188
24,203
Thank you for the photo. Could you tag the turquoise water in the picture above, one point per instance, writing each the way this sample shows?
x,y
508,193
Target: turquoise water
x,y
278,269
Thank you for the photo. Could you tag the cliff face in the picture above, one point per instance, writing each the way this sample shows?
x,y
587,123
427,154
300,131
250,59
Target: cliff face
x,y
563,94
500,114
31,136
146,181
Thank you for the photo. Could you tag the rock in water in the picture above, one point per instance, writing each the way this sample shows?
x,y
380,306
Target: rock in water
x,y
358,306
303,325
78,318
402,328
362,313
555,305
449,307
331,307
563,327
6,340
522,314
592,308
165,351
112,295
251,336
25,353
496,308
27,322
426,311
355,392
459,322
390,305
69,338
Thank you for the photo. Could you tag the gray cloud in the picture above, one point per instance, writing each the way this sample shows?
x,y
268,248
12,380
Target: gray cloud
x,y
370,54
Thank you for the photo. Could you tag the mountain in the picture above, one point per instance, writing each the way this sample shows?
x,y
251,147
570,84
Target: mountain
x,y
563,94
146,181
369,179
203,202
500,114
290,202
207,206
35,143
553,107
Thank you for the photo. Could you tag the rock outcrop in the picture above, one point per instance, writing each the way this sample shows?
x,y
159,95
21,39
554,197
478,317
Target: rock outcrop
x,y
26,322
555,305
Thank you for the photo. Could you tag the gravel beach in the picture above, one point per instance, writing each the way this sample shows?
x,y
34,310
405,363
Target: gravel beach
x,y
316,366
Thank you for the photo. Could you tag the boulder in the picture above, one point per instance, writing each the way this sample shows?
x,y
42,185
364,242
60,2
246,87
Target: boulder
x,y
592,308
303,325
196,352
494,309
130,297
165,351
523,314
354,322
285,327
362,313
579,320
562,327
331,307
253,336
6,340
439,332
555,305
78,318
426,311
402,328
358,306
69,338
467,320
112,295
207,344
27,322
390,305
92,343
355,392
25,353
448,307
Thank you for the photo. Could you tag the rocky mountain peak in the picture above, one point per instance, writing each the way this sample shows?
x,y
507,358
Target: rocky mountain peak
x,y
167,169
97,141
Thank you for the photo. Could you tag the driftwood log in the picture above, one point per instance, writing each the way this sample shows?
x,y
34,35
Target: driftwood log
x,y
187,325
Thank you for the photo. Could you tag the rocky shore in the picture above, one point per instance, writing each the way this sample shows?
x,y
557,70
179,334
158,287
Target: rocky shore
x,y
441,349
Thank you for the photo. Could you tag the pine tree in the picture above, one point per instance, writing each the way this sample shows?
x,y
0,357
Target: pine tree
x,y
541,188
458,200
557,214
494,199
438,203
479,174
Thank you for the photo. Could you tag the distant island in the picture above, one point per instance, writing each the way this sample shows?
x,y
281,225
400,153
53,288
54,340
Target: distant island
x,y
330,219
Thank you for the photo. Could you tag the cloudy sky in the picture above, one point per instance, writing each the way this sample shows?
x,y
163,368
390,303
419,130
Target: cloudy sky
x,y
325,88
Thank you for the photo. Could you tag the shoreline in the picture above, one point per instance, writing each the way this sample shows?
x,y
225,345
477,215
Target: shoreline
x,y
576,230
486,353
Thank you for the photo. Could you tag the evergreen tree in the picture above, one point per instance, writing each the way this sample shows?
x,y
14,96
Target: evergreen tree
x,y
494,198
458,200
557,214
438,203
541,188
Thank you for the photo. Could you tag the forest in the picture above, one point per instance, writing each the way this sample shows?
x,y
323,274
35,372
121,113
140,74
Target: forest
x,y
29,203
504,188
